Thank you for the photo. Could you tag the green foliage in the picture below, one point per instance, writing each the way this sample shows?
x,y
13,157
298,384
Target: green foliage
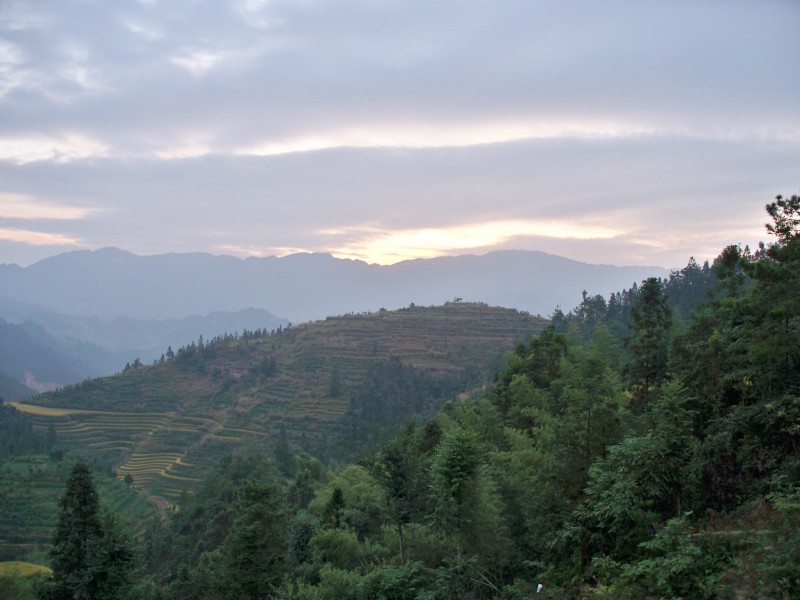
x,y
393,391
355,505
91,553
676,564
301,530
332,515
785,215
460,577
652,319
767,564
205,519
641,481
77,536
17,436
254,554
468,502
297,590
18,587
668,467
115,557
409,580
338,584
336,547
397,468
286,461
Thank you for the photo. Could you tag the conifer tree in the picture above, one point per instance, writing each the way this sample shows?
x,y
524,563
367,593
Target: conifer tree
x,y
76,539
256,548
652,320
91,556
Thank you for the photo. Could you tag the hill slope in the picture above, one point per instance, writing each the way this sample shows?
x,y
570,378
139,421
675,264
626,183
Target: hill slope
x,y
166,424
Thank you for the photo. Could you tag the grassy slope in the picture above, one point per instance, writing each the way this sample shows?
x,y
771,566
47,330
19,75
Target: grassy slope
x,y
166,425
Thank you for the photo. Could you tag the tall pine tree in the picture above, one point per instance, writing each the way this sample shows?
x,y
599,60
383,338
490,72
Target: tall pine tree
x,y
91,556
652,320
77,538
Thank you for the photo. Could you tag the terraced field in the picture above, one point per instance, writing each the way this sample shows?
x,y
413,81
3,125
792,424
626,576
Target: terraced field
x,y
168,425
30,489
150,447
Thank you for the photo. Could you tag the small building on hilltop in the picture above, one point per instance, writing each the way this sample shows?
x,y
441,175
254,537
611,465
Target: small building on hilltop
x,y
233,368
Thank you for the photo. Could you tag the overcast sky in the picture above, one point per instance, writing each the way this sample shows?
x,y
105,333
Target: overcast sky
x,y
628,133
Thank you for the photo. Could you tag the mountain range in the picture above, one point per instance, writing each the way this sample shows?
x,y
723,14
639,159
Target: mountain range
x,y
108,306
112,283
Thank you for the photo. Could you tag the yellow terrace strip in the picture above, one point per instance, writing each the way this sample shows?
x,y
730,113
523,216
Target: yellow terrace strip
x,y
22,569
50,411
47,411
178,478
150,455
249,431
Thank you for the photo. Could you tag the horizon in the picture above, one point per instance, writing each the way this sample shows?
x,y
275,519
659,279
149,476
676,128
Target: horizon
x,y
328,254
611,134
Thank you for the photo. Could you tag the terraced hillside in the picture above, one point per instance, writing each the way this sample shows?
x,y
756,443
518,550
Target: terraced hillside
x,y
165,425
30,490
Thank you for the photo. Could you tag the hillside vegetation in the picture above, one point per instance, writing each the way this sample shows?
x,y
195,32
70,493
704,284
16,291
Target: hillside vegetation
x,y
30,488
641,446
330,387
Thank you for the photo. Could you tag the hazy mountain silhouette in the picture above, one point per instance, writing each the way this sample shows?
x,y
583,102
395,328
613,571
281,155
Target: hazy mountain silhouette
x,y
111,283
91,346
29,355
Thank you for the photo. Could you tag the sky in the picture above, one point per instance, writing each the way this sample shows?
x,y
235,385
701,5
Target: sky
x,y
616,132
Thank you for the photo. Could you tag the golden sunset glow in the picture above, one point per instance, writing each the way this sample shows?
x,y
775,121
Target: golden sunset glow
x,y
37,238
388,247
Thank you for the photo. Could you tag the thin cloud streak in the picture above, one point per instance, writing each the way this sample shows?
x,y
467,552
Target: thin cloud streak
x,y
21,206
58,148
38,238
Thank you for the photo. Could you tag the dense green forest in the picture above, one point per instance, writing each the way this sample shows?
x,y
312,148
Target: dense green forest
x,y
642,446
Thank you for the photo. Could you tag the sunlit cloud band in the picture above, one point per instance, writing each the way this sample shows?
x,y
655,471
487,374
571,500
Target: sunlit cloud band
x,y
388,247
22,206
37,238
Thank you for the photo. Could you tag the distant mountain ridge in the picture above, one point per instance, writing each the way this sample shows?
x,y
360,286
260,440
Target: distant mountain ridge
x,y
40,346
29,355
112,283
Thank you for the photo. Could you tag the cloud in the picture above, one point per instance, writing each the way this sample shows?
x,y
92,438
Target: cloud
x,y
250,126
198,62
446,135
372,244
37,238
21,206
148,31
58,148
